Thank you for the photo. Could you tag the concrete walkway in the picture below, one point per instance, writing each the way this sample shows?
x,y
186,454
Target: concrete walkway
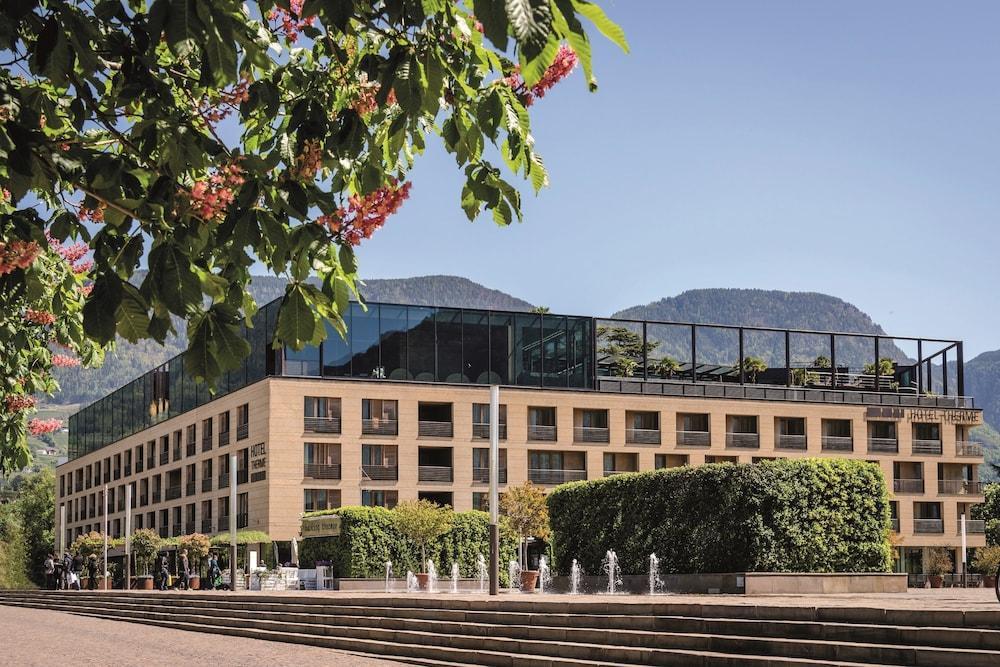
x,y
38,637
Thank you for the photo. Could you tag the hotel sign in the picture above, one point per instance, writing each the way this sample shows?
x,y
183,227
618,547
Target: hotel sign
x,y
930,415
321,526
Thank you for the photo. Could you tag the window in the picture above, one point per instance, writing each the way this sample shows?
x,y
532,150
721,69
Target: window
x,y
321,460
379,498
304,362
206,434
697,423
481,420
481,465
242,510
321,499
927,432
378,417
224,422
243,422
177,445
321,414
882,430
481,501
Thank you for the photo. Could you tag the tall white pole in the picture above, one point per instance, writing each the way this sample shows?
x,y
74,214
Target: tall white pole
x,y
62,531
128,534
232,521
964,548
494,489
107,510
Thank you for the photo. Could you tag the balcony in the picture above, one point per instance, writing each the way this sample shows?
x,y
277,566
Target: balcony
x,y
223,480
191,449
928,525
150,463
173,492
434,473
379,427
164,460
694,438
968,448
163,532
482,431
926,446
960,487
190,489
885,445
908,485
321,424
642,436
223,438
156,497
206,484
242,520
792,442
838,443
972,526
321,470
242,432
894,525
542,433
434,429
206,443
380,473
591,434
547,476
482,475
242,476
206,526
743,440
223,524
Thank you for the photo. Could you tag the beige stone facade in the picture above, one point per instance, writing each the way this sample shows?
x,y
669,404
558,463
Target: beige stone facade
x,y
551,435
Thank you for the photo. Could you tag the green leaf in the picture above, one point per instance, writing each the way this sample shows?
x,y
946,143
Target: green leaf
x,y
348,261
530,20
296,320
99,311
173,279
132,315
200,359
493,15
183,28
606,26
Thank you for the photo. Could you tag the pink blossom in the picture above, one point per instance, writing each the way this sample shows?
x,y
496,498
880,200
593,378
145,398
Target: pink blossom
x,y
64,361
38,427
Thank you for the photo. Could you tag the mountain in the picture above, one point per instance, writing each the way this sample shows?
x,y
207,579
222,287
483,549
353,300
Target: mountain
x,y
982,381
763,308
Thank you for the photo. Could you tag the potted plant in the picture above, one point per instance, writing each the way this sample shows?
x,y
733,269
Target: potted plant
x,y
197,546
986,563
87,546
666,367
145,544
753,366
525,509
938,564
422,522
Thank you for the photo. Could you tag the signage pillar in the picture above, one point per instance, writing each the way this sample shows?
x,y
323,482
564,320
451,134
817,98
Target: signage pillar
x,y
494,489
107,510
232,522
128,535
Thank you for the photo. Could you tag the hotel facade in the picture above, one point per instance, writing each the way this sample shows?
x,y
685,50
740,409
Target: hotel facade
x,y
400,410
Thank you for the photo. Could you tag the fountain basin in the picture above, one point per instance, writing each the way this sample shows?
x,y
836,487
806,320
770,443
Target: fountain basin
x,y
744,583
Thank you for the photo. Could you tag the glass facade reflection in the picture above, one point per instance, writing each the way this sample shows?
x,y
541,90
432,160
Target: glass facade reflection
x,y
384,342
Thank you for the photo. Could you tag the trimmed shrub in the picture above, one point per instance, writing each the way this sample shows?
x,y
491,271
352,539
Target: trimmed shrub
x,y
368,538
804,515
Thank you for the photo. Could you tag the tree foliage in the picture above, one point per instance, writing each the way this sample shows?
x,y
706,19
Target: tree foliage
x,y
197,138
422,522
36,509
144,543
623,348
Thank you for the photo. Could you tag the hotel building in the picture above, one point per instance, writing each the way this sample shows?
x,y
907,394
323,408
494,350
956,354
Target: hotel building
x,y
400,410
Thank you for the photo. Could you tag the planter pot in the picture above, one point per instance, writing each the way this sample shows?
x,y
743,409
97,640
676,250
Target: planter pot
x,y
989,581
144,583
937,581
529,579
194,582
423,581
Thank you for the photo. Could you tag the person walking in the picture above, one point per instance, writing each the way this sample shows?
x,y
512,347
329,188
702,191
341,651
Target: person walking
x,y
67,570
214,572
164,573
184,572
50,571
92,572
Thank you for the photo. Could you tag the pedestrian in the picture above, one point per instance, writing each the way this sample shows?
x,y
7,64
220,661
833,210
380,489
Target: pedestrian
x,y
214,573
78,565
164,573
67,567
184,572
50,571
92,572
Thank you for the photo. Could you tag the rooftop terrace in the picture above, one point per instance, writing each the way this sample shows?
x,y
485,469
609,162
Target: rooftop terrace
x,y
392,342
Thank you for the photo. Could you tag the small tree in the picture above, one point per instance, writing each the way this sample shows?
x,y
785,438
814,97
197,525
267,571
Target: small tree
x,y
624,348
987,560
422,522
753,366
822,361
528,514
666,367
197,546
88,544
939,561
886,367
145,543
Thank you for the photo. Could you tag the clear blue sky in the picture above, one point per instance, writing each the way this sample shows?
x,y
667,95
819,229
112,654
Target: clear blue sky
x,y
851,148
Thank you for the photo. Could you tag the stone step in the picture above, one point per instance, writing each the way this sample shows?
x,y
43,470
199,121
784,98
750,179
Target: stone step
x,y
811,630
630,646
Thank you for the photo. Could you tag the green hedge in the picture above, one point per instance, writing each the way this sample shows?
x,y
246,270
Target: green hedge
x,y
368,539
804,515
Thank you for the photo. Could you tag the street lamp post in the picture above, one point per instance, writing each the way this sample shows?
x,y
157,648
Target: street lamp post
x,y
494,489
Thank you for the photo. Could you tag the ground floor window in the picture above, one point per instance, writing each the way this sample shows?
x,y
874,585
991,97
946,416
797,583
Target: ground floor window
x,y
379,498
321,499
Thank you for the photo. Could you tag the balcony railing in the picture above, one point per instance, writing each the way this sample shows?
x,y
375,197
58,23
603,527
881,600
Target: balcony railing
x,y
786,441
173,492
163,531
206,443
189,527
223,438
379,426
434,473
609,473
694,438
960,487
206,526
542,433
434,429
482,475
972,526
926,446
128,470
242,476
177,453
150,463
968,448
883,445
547,476
242,431
642,436
380,472
591,434
321,424
191,449
156,497
176,529
143,500
321,470
223,480
223,524
743,440
164,460
482,431
190,489
242,520
138,466
928,525
838,443
908,485
206,484
894,524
